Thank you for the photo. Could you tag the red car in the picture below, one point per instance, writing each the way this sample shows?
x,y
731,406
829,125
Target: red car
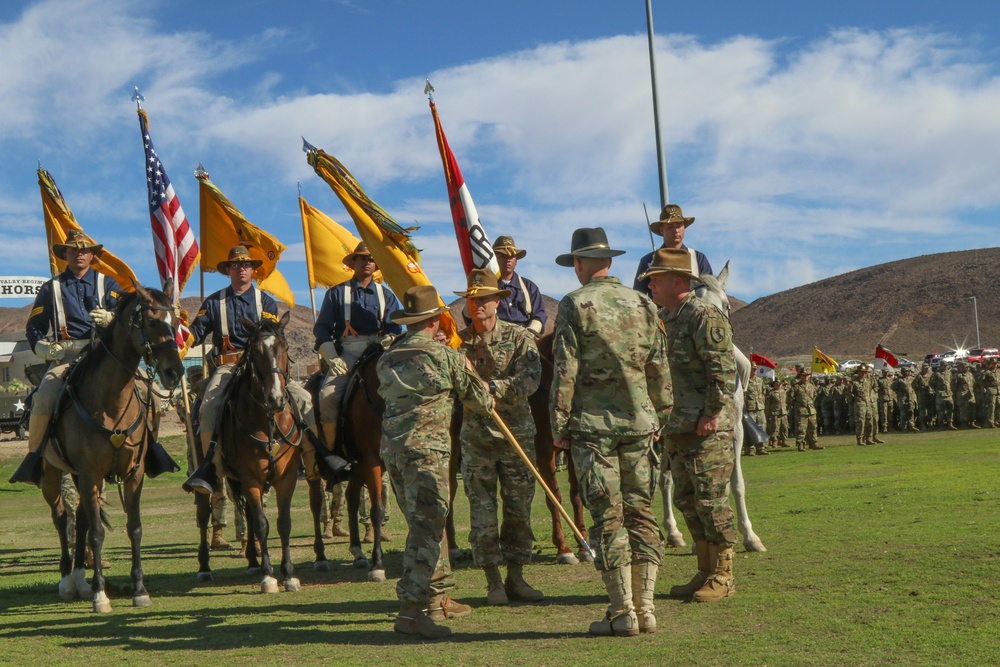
x,y
981,354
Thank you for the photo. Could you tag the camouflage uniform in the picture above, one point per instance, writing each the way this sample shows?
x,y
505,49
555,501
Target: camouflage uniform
x,y
419,379
991,396
925,410
940,385
777,416
508,358
755,402
906,399
886,404
703,371
827,400
965,401
804,402
864,394
610,392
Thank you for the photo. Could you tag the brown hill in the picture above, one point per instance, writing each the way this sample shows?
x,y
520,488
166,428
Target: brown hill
x,y
913,306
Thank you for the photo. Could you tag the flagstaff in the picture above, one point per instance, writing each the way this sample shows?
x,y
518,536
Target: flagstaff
x,y
661,161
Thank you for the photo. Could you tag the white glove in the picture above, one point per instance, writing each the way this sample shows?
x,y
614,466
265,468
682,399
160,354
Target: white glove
x,y
387,341
535,326
48,351
338,366
328,352
101,317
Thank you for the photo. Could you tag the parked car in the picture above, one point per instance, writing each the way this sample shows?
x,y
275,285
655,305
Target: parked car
x,y
981,354
948,357
905,363
849,364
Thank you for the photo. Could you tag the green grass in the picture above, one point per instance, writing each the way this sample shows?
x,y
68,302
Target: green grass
x,y
881,555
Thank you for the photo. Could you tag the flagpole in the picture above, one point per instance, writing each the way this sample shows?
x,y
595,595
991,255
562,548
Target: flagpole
x,y
661,163
308,249
200,173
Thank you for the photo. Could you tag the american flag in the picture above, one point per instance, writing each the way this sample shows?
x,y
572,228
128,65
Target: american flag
x,y
173,240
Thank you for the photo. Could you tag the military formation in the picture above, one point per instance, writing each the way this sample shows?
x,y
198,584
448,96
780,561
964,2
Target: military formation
x,y
871,402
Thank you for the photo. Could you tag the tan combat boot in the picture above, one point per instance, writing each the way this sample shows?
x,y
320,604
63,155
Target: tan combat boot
x,y
369,537
720,584
443,607
411,620
218,541
861,443
878,440
644,589
496,595
620,619
337,530
704,569
517,588
328,530
816,445
801,446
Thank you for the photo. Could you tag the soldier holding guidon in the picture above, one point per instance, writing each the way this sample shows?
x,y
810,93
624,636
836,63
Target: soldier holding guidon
x,y
610,393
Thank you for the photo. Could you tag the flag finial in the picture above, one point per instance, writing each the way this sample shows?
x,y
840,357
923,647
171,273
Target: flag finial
x,y
138,98
200,172
428,89
308,147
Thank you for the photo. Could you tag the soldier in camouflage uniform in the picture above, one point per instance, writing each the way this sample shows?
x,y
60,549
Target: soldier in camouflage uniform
x,y
990,409
864,395
755,408
419,381
925,410
886,401
610,392
965,400
906,399
505,355
827,400
776,405
944,405
804,405
699,431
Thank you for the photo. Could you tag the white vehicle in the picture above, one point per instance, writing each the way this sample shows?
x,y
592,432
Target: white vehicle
x,y
849,364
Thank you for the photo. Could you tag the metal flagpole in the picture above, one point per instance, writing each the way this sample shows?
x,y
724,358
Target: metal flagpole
x,y
661,162
309,264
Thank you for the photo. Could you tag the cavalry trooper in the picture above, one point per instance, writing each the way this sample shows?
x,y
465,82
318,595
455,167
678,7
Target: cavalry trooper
x,y
419,381
804,405
66,314
924,411
610,394
672,226
990,409
354,315
504,355
524,304
864,396
886,401
699,430
940,386
222,317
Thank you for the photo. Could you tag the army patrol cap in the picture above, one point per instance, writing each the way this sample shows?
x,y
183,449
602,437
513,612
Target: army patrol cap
x,y
360,251
800,369
588,243
483,283
420,303
670,213
504,245
863,367
76,239
673,260
238,253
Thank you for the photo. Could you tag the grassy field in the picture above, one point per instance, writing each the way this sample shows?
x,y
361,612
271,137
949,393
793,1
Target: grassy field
x,y
883,555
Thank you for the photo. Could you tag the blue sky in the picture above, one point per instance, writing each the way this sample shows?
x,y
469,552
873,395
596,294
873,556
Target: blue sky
x,y
808,139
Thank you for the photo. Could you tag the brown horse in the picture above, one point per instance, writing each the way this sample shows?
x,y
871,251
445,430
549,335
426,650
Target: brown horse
x,y
259,437
103,429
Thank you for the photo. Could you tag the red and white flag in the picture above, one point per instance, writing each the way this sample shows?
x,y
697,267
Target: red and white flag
x,y
473,244
173,240
765,367
884,358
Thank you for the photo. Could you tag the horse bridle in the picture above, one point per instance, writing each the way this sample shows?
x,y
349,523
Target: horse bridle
x,y
255,374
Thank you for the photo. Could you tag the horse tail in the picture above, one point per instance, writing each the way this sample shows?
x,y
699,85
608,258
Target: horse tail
x,y
106,520
236,491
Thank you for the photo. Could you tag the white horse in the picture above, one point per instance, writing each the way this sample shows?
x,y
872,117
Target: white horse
x,y
713,290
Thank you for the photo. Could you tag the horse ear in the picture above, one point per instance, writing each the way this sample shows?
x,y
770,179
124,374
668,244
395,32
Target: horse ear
x,y
283,322
168,291
248,324
723,276
142,292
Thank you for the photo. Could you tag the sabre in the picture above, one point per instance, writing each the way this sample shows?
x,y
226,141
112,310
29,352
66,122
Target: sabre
x,y
534,471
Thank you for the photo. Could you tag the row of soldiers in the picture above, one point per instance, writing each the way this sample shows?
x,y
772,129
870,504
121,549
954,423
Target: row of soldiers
x,y
940,399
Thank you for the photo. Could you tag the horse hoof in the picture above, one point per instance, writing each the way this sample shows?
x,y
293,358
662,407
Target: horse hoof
x,y
83,589
204,576
675,540
361,563
585,556
567,558
254,571
102,605
293,585
376,576
754,544
269,585
141,601
67,589
321,566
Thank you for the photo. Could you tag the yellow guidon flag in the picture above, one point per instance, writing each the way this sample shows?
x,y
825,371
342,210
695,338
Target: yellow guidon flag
x,y
388,243
224,226
327,244
822,363
59,220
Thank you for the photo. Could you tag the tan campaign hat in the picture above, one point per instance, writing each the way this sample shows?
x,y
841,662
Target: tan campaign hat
x,y
420,302
670,213
482,283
